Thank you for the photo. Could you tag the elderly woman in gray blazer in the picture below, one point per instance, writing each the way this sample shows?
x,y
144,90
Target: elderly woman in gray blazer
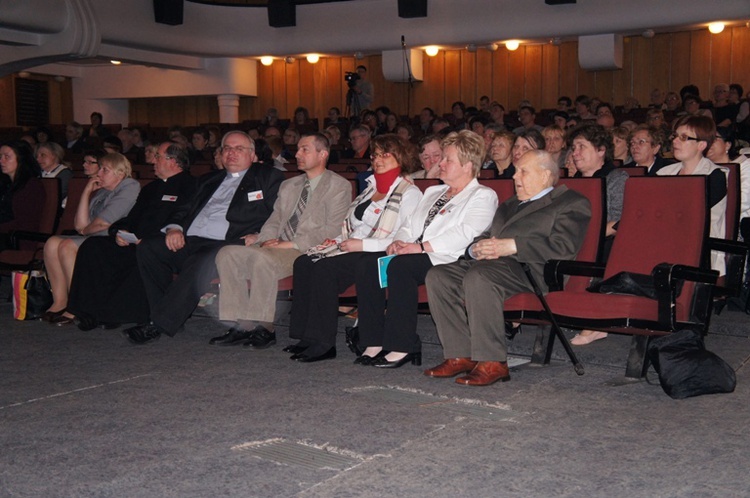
x,y
447,219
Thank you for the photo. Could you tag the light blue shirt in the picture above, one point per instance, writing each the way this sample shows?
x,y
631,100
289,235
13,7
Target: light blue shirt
x,y
211,222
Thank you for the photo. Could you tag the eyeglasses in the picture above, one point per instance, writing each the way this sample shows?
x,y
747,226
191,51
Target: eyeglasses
x,y
427,157
165,156
239,149
377,155
357,137
639,142
89,161
683,137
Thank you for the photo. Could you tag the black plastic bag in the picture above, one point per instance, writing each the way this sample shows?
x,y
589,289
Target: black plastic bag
x,y
686,368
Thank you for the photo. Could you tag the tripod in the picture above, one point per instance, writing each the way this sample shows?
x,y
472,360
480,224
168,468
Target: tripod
x,y
352,104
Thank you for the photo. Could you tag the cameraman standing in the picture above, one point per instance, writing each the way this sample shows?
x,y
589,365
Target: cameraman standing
x,y
363,89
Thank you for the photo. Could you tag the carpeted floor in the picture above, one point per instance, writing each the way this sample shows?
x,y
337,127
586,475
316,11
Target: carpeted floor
x,y
88,414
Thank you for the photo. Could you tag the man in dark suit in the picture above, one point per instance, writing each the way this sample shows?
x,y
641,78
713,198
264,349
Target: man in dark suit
x,y
539,223
106,286
228,205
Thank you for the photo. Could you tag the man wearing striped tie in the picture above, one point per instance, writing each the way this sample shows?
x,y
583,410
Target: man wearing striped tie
x,y
309,209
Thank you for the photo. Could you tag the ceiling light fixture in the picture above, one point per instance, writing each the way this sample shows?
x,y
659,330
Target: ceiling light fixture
x,y
313,58
432,50
289,60
266,60
492,47
116,63
359,55
512,45
471,47
716,27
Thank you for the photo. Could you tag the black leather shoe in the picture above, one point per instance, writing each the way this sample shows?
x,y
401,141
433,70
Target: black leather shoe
x,y
260,338
510,331
296,348
143,334
352,340
328,355
48,316
86,323
414,358
232,337
110,325
365,361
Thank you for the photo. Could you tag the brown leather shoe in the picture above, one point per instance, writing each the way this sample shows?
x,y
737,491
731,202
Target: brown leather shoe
x,y
486,373
451,367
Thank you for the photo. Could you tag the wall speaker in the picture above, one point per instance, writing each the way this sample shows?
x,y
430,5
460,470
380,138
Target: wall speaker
x,y
168,12
282,13
412,8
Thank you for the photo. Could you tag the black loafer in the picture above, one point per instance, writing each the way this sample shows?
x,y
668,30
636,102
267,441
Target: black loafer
x,y
260,338
296,348
143,334
86,323
232,337
328,355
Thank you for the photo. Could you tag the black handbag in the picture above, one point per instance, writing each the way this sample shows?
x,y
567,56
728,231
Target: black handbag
x,y
686,368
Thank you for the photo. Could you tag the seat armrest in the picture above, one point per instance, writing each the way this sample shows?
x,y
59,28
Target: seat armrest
x,y
728,246
18,235
555,271
666,277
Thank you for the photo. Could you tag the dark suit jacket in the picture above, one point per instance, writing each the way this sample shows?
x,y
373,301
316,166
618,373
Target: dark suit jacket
x,y
552,227
156,203
659,163
245,216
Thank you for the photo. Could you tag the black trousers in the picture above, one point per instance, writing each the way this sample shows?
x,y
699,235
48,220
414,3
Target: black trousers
x,y
172,301
395,327
106,284
317,286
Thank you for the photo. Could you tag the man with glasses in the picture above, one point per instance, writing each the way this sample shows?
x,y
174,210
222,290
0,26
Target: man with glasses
x,y
106,287
359,136
309,209
228,205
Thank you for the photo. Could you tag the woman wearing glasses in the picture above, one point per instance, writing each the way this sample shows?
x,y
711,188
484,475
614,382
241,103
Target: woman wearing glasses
x,y
691,142
369,226
91,162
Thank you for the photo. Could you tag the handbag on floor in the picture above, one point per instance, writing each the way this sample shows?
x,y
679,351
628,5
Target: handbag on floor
x,y
686,368
32,295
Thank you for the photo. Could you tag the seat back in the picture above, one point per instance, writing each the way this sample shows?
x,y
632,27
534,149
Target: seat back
x,y
425,183
595,190
634,170
67,220
504,188
50,215
732,219
664,219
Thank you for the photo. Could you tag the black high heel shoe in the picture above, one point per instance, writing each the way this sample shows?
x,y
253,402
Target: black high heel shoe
x,y
510,331
367,360
414,358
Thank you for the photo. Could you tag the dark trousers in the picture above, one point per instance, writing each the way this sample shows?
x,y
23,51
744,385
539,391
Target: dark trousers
x,y
395,329
317,286
172,301
106,284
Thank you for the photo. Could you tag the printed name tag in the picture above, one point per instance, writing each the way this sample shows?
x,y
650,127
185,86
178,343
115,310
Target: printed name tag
x,y
255,196
169,198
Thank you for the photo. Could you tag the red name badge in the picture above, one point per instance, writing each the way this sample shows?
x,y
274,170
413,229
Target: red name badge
x,y
255,196
169,198
377,211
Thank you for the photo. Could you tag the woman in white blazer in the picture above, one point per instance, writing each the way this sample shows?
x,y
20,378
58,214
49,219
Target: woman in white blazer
x,y
447,219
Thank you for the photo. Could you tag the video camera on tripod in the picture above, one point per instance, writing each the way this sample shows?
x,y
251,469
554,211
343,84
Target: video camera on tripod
x,y
351,79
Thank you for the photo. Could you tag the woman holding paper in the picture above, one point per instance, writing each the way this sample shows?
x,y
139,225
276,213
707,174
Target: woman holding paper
x,y
326,270
447,219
